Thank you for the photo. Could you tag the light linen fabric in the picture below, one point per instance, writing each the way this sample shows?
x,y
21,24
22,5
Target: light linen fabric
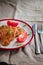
x,y
30,10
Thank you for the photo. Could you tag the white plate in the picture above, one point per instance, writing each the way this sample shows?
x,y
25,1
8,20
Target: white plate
x,y
15,45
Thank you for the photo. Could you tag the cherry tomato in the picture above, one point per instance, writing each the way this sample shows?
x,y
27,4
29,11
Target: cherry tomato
x,y
8,23
13,24
22,37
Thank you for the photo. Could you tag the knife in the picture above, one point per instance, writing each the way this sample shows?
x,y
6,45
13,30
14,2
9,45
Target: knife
x,y
41,38
36,38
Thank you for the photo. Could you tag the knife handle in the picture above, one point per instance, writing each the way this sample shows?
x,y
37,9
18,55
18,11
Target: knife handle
x,y
37,47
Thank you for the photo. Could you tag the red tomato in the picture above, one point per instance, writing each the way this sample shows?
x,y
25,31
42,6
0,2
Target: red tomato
x,y
8,23
13,24
22,37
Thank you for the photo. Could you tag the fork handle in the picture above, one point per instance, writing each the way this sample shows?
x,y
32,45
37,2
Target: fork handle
x,y
41,39
37,47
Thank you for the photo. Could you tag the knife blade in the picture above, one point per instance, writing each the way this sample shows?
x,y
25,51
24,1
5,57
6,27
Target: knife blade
x,y
36,38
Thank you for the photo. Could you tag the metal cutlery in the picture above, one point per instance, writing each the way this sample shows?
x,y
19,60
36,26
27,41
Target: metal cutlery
x,y
41,37
37,47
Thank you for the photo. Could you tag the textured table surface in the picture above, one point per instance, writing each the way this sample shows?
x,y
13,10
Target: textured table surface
x,y
32,12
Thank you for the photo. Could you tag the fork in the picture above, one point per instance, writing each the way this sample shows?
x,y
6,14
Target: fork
x,y
41,37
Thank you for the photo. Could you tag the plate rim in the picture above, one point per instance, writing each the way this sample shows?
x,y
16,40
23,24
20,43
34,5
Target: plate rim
x,y
24,44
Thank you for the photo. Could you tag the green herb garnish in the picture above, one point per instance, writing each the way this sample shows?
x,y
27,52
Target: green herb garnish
x,y
29,33
19,44
24,25
8,32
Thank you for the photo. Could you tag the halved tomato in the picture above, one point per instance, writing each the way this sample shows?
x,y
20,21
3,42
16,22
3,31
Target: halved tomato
x,y
13,24
8,23
22,37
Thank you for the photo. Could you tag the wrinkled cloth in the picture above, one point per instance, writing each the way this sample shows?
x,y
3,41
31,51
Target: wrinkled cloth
x,y
29,11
